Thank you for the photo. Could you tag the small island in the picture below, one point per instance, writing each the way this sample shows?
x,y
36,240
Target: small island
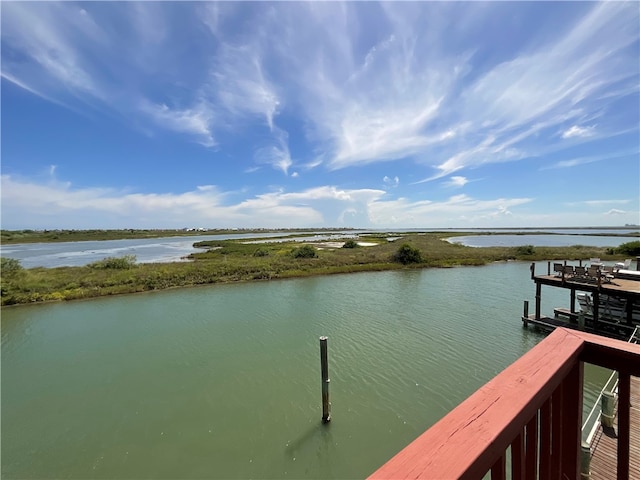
x,y
229,261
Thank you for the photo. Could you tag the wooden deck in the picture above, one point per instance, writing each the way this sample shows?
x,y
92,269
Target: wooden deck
x,y
618,286
603,318
548,324
604,444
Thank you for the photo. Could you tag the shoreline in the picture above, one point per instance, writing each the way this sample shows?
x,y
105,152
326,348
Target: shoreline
x,y
231,261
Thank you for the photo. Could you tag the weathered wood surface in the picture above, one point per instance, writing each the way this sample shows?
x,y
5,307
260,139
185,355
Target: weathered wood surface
x,y
604,445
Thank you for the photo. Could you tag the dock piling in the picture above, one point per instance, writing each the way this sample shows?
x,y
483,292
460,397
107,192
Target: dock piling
x,y
607,409
525,315
324,368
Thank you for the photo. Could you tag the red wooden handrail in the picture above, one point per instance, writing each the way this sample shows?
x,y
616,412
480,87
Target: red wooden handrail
x,y
534,405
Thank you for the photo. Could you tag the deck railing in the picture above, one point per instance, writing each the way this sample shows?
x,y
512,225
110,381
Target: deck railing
x,y
592,422
530,413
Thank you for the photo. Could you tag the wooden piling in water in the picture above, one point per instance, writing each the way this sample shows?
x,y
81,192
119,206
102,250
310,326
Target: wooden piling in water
x,y
324,368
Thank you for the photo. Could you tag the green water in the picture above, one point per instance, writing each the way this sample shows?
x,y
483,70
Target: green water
x,y
224,381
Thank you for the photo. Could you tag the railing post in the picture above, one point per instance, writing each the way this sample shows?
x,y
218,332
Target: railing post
x,y
545,440
531,448
607,405
517,458
624,429
585,464
556,432
572,421
499,469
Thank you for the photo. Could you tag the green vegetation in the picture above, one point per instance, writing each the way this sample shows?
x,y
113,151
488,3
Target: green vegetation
x,y
305,251
629,248
525,250
9,266
115,263
232,261
351,243
407,254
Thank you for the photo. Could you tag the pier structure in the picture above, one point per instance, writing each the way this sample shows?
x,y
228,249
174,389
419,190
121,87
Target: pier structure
x,y
621,287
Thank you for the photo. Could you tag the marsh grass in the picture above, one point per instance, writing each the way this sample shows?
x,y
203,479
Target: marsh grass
x,y
232,261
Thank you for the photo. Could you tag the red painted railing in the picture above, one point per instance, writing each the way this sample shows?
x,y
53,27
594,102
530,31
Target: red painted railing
x,y
532,409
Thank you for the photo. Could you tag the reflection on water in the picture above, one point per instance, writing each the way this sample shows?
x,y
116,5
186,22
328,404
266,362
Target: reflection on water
x,y
224,381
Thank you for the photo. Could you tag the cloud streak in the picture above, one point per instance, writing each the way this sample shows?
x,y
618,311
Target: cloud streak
x,y
386,98
59,205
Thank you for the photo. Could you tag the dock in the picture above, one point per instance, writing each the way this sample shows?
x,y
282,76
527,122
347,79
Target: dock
x,y
622,287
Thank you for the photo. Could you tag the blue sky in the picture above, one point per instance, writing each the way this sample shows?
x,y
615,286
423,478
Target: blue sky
x,y
328,114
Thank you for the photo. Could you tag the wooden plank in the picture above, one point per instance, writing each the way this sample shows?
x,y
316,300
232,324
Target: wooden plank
x,y
566,313
604,445
468,441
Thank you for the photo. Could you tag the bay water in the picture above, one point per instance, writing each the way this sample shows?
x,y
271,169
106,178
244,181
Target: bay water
x,y
224,381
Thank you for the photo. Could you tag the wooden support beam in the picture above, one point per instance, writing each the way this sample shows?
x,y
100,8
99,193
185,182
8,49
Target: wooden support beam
x,y
624,430
499,469
572,422
531,449
518,458
545,440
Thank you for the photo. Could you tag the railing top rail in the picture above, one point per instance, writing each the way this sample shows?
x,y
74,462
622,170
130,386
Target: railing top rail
x,y
471,438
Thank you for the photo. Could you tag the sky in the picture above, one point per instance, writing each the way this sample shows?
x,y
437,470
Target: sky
x,y
319,114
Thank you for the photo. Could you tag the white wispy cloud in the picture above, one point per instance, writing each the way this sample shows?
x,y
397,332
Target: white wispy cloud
x,y
239,83
59,204
458,209
615,211
599,203
575,162
196,121
48,38
577,131
391,182
361,82
277,154
456,181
